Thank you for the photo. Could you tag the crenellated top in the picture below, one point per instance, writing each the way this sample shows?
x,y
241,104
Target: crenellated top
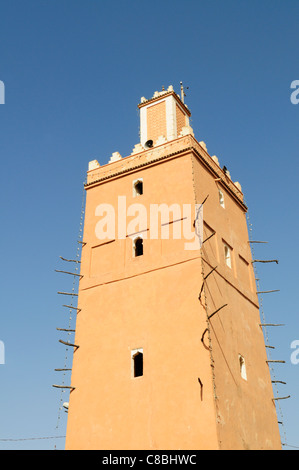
x,y
165,132
185,144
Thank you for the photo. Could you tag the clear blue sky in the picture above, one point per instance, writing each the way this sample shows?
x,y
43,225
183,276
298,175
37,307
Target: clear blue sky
x,y
74,72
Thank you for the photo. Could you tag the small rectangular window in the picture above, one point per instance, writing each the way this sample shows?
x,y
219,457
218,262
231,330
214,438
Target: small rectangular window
x,y
221,198
137,362
138,187
242,366
227,255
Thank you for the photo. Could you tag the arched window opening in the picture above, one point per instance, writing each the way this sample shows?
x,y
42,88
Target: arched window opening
x,y
138,247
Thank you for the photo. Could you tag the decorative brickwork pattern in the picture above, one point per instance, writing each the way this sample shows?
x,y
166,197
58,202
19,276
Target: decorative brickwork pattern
x,y
156,121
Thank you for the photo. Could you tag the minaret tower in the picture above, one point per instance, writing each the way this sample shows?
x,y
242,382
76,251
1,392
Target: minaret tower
x,y
171,352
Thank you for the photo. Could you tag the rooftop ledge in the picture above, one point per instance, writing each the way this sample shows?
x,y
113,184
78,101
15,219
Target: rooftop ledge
x,y
117,165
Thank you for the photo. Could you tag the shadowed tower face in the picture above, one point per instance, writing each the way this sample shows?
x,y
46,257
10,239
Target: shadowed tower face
x,y
171,353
